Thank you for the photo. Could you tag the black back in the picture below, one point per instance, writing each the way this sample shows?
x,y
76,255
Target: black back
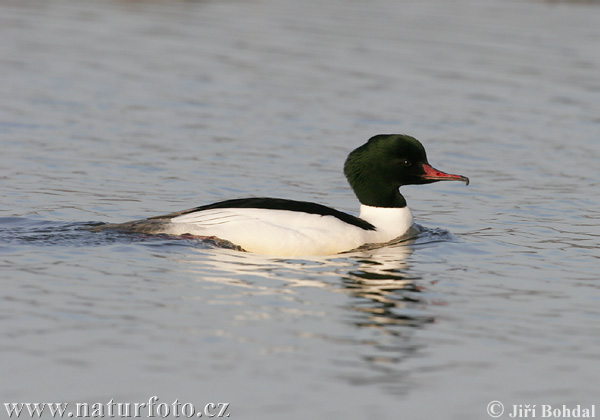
x,y
278,204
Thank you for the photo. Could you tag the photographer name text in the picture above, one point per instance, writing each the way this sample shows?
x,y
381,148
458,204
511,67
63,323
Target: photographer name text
x,y
496,409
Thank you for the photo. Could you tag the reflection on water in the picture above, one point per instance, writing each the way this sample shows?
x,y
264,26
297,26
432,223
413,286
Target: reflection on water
x,y
384,301
371,290
373,287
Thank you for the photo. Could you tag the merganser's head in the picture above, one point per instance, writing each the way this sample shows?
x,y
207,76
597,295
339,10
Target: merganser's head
x,y
378,168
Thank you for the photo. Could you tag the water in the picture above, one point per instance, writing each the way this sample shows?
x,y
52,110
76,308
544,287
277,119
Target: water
x,y
114,111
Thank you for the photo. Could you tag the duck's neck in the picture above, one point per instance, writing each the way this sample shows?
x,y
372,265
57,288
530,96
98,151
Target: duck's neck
x,y
375,196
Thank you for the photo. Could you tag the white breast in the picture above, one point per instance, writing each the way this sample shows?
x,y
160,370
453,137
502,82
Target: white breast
x,y
391,222
292,233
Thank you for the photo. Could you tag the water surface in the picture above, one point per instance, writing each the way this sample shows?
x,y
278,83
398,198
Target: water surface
x,y
114,111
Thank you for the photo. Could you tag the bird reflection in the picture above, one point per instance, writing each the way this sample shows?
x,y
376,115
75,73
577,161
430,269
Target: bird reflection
x,y
386,305
384,290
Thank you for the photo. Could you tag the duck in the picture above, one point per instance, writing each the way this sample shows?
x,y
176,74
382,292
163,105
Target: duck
x,y
284,227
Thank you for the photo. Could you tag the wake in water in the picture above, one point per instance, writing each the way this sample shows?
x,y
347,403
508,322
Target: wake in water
x,y
427,235
417,235
24,231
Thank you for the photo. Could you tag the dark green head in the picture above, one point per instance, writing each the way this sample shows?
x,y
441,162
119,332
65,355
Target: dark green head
x,y
378,168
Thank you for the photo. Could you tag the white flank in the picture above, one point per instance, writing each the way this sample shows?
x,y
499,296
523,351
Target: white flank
x,y
292,233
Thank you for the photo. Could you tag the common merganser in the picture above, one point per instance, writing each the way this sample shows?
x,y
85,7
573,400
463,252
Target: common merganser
x,y
273,226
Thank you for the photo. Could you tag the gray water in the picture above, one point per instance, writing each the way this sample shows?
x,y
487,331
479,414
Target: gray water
x,y
118,110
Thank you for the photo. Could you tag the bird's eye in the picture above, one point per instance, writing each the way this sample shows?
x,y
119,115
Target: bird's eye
x,y
406,162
